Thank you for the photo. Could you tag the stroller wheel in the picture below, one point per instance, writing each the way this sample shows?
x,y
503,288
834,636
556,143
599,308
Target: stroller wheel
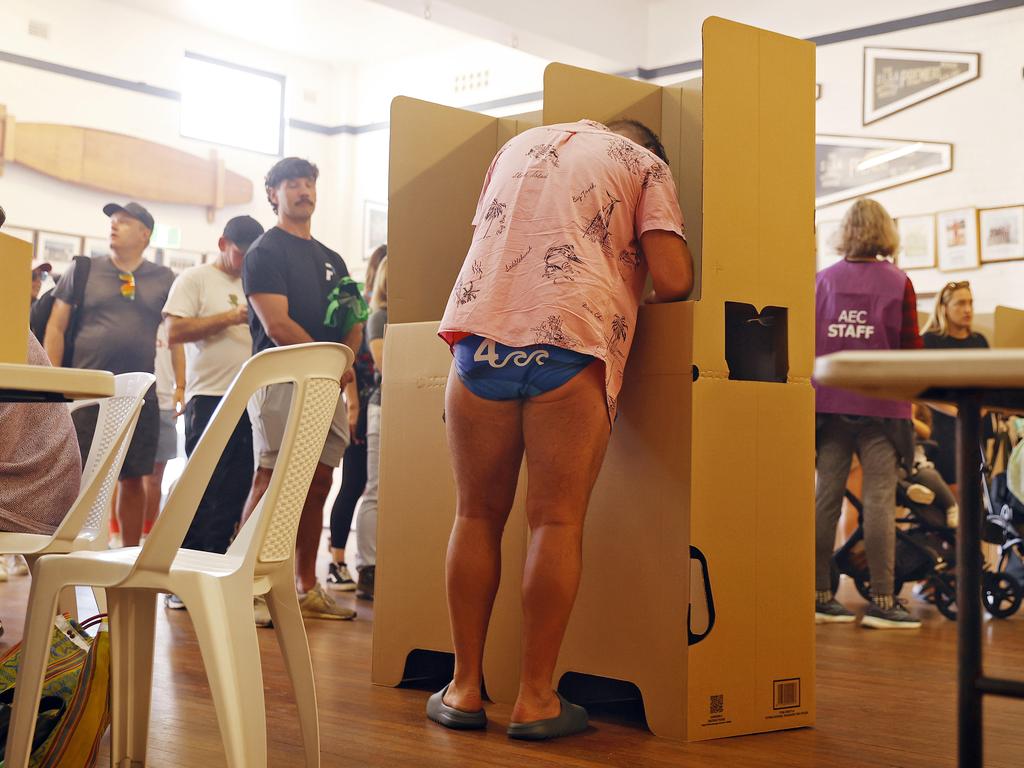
x,y
863,584
945,595
1001,595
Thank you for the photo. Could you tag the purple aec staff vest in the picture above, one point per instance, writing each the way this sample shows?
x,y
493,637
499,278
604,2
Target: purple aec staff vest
x,y
859,305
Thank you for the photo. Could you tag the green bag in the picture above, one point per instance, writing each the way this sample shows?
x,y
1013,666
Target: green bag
x,y
346,306
78,677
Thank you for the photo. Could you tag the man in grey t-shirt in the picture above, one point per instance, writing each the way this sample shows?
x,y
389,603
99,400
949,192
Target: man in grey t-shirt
x,y
118,321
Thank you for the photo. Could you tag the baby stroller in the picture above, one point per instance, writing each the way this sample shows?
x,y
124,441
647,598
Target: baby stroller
x,y
925,551
1003,523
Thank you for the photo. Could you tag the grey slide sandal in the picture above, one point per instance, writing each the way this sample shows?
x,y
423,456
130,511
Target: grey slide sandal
x,y
450,717
572,719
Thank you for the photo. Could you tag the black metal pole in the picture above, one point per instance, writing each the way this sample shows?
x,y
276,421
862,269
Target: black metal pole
x,y
968,598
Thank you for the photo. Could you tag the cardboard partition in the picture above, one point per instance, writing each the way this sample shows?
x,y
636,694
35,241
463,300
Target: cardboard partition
x,y
705,493
1008,328
15,298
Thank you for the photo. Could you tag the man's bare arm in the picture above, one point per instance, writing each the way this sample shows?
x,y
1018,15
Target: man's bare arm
x,y
56,326
182,329
670,263
272,310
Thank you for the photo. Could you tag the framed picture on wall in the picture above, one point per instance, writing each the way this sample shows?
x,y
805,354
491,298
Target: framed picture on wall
x,y
827,234
917,242
179,261
95,247
897,78
1001,233
375,226
852,166
58,248
957,238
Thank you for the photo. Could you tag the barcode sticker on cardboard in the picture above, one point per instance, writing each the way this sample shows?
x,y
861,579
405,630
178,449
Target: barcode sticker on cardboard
x,y
786,693
717,704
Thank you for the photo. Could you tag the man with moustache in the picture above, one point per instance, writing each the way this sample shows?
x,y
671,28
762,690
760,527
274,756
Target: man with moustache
x,y
119,317
289,280
207,312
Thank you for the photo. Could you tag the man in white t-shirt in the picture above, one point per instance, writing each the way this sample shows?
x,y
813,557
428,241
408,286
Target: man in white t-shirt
x,y
207,311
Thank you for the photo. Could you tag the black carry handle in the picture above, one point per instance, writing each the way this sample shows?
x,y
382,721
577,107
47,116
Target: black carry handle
x,y
709,598
83,264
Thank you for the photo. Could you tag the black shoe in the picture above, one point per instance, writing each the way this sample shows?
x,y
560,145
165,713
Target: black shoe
x,y
453,718
571,719
364,585
338,578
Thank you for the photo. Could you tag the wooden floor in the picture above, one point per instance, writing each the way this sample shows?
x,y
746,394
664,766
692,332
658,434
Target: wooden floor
x,y
884,699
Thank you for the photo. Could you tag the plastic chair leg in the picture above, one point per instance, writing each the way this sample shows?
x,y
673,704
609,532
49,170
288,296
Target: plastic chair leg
x,y
35,652
221,613
132,626
291,636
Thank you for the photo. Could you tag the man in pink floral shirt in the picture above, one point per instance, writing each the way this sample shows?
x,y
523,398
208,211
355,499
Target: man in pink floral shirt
x,y
570,221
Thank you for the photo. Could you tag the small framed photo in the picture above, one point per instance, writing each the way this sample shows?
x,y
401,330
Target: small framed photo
x,y
957,238
375,226
95,247
58,248
917,242
179,261
1001,233
827,233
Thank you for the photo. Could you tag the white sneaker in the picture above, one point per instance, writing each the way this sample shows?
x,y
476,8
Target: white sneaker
x,y
920,494
16,565
261,613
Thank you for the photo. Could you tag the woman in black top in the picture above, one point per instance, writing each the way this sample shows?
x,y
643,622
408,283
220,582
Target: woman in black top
x,y
949,327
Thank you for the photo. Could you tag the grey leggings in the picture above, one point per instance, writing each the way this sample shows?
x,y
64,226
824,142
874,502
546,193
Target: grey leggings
x,y
837,439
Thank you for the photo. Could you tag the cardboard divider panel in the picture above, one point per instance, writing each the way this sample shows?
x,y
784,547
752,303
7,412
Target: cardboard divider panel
x,y
1008,328
15,297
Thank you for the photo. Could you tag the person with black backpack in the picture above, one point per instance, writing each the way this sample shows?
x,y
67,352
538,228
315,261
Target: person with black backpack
x,y
112,309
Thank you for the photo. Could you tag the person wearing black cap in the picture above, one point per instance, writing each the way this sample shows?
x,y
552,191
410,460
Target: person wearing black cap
x,y
207,312
118,321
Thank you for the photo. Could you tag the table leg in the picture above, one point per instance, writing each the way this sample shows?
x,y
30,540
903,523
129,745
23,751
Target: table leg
x,y
968,558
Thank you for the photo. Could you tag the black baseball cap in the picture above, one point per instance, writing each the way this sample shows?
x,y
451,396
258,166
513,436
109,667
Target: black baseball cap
x,y
134,210
242,231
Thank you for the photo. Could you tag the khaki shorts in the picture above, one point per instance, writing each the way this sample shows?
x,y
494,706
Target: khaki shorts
x,y
268,412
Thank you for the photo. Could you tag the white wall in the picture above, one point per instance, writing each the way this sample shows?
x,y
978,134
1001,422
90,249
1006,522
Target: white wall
x,y
984,120
124,43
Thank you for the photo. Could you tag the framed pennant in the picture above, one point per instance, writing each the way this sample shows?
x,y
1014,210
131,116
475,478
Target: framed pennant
x,y
897,78
852,166
957,237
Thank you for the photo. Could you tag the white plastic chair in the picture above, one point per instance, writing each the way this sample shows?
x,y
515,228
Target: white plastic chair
x,y
217,589
87,523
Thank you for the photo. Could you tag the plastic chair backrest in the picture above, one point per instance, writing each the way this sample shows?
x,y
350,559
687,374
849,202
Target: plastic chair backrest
x,y
89,517
315,371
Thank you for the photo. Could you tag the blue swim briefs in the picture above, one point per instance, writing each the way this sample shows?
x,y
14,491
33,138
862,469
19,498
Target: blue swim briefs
x,y
495,371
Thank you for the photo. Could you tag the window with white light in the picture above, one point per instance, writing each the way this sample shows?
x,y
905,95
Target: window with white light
x,y
230,104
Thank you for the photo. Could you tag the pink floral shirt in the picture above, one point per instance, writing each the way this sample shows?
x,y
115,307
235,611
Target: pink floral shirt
x,y
556,256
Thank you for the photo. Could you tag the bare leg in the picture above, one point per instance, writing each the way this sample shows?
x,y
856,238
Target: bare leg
x,y
485,440
311,526
131,507
154,492
566,433
260,483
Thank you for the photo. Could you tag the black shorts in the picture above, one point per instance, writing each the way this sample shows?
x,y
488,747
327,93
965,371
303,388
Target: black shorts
x,y
138,462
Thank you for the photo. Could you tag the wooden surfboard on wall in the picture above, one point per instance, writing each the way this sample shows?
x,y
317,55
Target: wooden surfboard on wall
x,y
126,165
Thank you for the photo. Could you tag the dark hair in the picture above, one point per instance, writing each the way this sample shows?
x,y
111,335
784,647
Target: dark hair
x,y
286,169
641,134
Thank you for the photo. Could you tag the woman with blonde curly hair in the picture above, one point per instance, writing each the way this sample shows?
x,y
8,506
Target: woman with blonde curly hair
x,y
862,302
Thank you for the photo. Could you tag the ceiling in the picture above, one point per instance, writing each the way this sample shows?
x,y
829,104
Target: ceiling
x,y
330,31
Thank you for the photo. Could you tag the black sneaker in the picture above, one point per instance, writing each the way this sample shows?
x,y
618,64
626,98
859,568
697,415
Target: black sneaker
x,y
364,587
896,617
174,602
339,579
832,612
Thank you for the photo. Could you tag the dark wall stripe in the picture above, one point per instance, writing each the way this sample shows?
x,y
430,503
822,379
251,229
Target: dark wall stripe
x,y
896,25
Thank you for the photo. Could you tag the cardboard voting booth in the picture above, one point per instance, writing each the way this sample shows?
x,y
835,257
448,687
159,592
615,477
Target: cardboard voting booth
x,y
698,575
15,297
1007,330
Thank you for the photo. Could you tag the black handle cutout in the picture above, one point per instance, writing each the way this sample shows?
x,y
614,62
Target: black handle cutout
x,y
756,343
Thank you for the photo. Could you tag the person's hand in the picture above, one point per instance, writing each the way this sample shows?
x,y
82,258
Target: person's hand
x,y
179,401
353,419
241,314
348,377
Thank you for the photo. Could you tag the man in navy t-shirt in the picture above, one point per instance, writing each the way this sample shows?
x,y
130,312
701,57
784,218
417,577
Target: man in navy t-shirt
x,y
288,277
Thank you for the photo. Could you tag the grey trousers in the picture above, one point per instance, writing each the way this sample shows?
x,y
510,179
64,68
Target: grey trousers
x,y
837,439
366,512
